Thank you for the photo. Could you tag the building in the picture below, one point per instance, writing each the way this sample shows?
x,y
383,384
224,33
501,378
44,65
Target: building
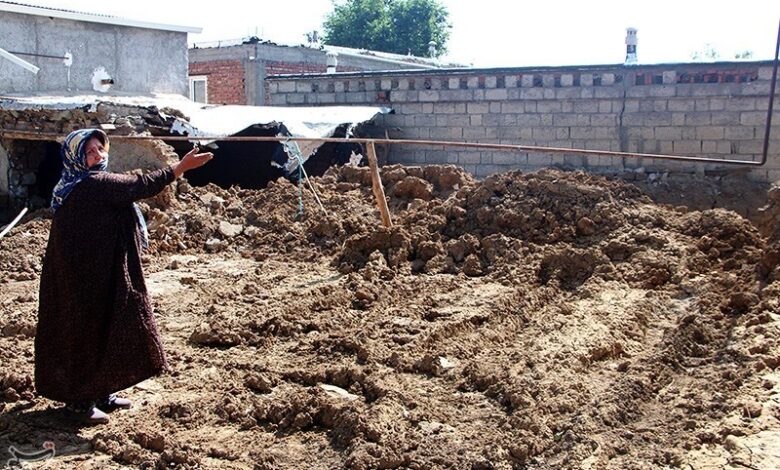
x,y
234,72
57,61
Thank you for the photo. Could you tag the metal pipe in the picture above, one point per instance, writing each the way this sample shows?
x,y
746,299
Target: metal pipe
x,y
39,55
484,146
771,99
13,222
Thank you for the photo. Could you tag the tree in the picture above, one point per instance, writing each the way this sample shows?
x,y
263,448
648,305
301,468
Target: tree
x,y
399,26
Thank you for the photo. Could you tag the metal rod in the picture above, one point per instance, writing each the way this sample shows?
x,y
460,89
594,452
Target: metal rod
x,y
771,99
13,222
39,55
486,146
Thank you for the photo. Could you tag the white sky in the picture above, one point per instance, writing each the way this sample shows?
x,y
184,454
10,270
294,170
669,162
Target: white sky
x,y
488,33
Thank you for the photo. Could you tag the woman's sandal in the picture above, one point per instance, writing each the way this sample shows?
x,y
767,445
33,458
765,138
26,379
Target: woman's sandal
x,y
87,413
113,402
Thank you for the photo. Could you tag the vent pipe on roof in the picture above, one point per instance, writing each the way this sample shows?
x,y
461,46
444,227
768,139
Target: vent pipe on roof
x,y
332,61
631,46
432,49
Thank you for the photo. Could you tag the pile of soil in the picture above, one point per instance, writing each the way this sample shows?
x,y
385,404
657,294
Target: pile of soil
x,y
546,320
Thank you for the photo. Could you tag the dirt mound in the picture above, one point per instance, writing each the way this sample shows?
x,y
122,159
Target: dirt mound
x,y
21,254
546,320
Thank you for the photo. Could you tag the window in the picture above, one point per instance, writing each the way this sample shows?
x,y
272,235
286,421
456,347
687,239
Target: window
x,y
199,88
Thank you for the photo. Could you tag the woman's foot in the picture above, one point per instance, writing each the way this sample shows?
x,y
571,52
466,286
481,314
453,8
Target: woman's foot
x,y
87,413
113,402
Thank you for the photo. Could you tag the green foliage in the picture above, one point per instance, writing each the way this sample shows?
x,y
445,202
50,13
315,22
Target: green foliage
x,y
399,26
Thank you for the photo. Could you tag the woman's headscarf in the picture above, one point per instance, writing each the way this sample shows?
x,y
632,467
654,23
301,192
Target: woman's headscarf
x,y
74,170
74,163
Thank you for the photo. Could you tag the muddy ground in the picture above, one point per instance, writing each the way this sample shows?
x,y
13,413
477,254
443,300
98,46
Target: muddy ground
x,y
541,321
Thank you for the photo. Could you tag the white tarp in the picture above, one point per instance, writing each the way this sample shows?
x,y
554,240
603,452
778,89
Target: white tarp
x,y
299,121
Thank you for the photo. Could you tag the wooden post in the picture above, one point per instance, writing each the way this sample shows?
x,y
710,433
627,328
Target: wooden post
x,y
376,183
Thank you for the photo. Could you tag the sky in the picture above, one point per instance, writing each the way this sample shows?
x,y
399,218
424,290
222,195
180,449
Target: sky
x,y
494,33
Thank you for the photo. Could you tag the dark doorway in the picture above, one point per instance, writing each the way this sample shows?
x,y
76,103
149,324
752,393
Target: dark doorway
x,y
49,171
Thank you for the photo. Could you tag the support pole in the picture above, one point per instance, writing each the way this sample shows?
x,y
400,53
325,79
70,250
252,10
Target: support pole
x,y
376,183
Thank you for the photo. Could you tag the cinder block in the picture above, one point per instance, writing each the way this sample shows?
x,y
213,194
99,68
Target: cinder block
x,y
583,106
752,118
741,104
512,107
568,93
426,120
454,83
428,95
607,79
478,108
669,77
607,92
662,91
765,73
698,119
532,93
687,147
472,82
566,120
491,81
497,94
474,132
452,120
548,107
601,119
567,79
286,86
681,104
510,81
710,132
668,133
755,88
527,81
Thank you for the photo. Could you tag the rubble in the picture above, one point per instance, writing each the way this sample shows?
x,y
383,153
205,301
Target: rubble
x,y
546,320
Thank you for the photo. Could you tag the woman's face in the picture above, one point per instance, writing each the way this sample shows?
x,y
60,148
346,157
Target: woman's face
x,y
95,152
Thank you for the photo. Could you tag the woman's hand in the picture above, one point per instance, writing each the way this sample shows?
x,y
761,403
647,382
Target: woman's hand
x,y
192,160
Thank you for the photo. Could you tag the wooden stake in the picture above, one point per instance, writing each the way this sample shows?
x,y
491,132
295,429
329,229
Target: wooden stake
x,y
376,183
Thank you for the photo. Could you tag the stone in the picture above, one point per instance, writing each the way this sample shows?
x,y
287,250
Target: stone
x,y
230,230
338,392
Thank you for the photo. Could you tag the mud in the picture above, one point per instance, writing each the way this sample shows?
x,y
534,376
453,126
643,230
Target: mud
x,y
546,320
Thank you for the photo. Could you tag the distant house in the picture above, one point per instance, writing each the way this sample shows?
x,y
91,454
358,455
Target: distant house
x,y
233,72
87,52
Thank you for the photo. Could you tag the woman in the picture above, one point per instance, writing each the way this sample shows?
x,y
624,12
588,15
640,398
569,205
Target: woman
x,y
96,333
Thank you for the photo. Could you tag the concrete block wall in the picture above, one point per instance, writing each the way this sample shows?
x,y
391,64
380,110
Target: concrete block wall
x,y
716,110
133,57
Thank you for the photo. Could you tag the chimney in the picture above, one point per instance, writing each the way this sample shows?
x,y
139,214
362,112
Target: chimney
x,y
432,49
332,60
631,46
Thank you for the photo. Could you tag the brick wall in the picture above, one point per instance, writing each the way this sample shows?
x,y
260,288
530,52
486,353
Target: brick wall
x,y
225,80
717,110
